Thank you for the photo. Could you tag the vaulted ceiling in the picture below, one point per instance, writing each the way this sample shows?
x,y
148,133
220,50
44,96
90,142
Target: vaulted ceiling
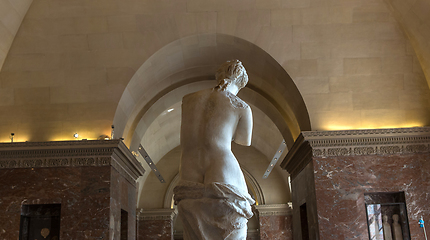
x,y
81,66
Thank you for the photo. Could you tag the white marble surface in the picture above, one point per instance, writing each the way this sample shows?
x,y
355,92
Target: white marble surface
x,y
212,195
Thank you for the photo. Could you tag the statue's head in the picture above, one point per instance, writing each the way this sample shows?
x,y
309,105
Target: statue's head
x,y
231,72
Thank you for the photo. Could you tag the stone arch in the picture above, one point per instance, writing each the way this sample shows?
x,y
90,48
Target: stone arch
x,y
180,64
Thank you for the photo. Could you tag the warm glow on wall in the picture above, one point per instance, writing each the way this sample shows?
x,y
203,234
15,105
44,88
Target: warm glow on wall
x,y
374,126
16,138
337,127
71,138
80,136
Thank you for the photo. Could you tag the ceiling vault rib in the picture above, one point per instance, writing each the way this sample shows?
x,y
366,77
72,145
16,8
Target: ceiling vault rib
x,y
150,163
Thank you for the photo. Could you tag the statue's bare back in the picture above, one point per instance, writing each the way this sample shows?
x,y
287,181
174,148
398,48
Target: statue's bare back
x,y
211,119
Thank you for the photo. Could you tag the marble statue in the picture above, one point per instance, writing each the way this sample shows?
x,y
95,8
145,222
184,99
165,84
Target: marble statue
x,y
397,229
212,196
386,228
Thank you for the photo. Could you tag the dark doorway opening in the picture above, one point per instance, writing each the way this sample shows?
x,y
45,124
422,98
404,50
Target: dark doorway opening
x,y
40,221
304,222
124,224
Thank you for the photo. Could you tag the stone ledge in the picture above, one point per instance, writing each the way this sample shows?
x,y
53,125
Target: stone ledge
x,y
156,214
274,210
355,143
83,153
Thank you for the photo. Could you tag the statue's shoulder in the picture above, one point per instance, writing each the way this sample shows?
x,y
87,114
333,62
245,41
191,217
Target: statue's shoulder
x,y
198,94
236,101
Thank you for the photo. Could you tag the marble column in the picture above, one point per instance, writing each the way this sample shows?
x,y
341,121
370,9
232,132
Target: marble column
x,y
275,221
155,224
333,171
93,181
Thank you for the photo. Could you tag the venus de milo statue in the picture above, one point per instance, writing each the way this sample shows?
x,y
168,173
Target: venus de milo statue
x,y
212,196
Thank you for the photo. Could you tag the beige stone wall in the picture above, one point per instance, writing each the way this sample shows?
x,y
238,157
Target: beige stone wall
x,y
71,60
11,14
414,17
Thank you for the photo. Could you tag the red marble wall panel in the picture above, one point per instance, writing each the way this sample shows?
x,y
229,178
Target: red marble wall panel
x,y
123,196
276,228
303,191
341,182
83,193
155,229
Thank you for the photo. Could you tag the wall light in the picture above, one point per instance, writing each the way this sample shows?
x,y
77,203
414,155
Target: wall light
x,y
11,137
76,135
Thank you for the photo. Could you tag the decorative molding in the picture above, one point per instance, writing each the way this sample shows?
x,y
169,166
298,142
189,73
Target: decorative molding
x,y
250,233
93,153
156,214
54,162
355,143
40,145
369,132
274,210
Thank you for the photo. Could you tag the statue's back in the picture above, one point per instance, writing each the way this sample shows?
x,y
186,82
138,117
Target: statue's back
x,y
209,121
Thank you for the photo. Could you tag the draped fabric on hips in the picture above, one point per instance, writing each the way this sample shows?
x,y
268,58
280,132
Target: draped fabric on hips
x,y
229,209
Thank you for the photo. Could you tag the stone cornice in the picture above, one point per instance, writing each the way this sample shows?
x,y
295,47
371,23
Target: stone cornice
x,y
355,143
156,214
274,210
71,154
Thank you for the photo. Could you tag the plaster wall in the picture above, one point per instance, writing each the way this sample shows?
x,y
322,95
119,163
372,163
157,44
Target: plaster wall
x,y
72,60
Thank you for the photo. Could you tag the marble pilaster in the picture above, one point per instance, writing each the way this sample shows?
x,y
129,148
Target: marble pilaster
x,y
331,171
92,180
275,221
155,224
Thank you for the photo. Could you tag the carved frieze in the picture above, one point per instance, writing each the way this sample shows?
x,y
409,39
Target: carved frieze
x,y
71,154
368,142
355,143
274,210
156,214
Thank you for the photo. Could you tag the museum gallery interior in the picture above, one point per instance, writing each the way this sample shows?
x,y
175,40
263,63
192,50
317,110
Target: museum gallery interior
x,y
90,115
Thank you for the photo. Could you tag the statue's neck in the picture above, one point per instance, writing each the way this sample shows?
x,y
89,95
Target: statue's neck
x,y
233,89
